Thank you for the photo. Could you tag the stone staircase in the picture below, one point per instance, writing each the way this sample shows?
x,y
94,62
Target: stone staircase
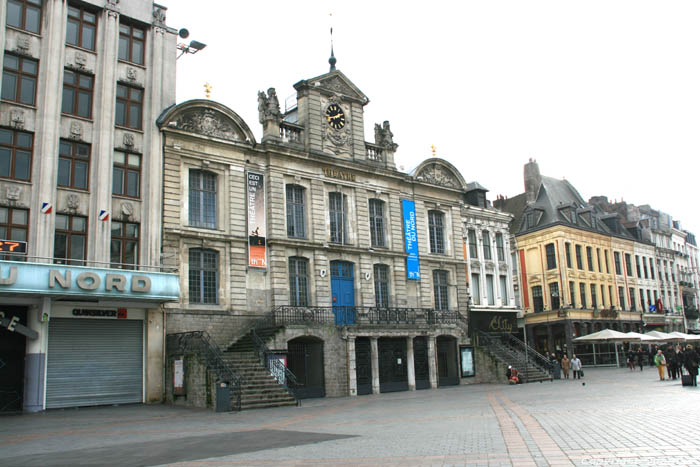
x,y
260,389
531,368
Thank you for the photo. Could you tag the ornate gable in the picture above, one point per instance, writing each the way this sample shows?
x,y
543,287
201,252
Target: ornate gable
x,y
439,172
336,83
207,118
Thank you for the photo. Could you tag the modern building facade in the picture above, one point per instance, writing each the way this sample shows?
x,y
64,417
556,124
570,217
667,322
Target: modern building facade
x,y
81,287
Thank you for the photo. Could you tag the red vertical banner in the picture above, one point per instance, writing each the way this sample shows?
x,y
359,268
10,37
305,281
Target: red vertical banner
x,y
257,253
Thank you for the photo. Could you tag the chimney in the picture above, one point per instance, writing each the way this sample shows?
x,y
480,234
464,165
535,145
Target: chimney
x,y
533,180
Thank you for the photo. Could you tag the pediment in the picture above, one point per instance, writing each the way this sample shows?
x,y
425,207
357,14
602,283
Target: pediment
x,y
439,172
334,82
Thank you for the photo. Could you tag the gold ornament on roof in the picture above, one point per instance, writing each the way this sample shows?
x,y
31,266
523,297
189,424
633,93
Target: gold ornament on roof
x,y
207,90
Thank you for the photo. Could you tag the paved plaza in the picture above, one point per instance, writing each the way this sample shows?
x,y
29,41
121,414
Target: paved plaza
x,y
616,418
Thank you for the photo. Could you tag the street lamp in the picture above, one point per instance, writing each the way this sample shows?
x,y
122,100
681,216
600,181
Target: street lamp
x,y
192,48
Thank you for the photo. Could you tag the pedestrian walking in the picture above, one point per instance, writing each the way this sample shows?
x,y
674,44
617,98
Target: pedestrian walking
x,y
565,366
670,365
576,366
640,358
660,362
652,354
630,359
691,363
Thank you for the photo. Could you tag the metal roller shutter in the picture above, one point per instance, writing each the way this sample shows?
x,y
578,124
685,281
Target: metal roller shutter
x,y
94,362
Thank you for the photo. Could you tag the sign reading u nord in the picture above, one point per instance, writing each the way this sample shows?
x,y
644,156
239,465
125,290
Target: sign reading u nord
x,y
47,279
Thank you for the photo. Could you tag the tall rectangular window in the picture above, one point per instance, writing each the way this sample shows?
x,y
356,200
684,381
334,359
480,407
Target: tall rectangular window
x,y
633,301
597,254
70,240
490,295
607,262
16,154
336,203
476,289
381,285
621,298
618,266
24,14
126,174
641,301
436,232
594,297
440,290
499,247
628,264
77,94
589,257
73,164
651,269
14,225
579,261
567,247
504,289
81,27
551,256
639,267
131,43
644,265
124,245
572,293
486,241
649,302
204,276
376,223
129,106
202,199
537,301
296,217
298,281
473,249
554,295
602,296
582,294
610,296
19,77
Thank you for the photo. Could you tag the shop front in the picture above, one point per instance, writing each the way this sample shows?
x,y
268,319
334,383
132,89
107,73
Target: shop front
x,y
81,336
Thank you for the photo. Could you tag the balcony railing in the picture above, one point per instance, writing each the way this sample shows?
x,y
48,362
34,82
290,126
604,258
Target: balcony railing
x,y
290,132
361,316
374,152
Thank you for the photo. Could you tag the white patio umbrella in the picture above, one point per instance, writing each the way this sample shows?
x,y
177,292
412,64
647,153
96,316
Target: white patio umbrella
x,y
635,336
662,336
684,336
608,335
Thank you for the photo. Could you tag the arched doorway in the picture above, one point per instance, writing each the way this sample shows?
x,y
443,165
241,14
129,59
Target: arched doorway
x,y
305,360
343,292
448,374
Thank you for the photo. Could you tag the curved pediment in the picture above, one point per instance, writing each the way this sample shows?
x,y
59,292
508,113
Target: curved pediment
x,y
438,171
207,118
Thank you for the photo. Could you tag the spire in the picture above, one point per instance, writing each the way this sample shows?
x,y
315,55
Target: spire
x,y
332,59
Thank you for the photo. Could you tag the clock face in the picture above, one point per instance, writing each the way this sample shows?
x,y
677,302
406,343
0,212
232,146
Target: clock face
x,y
335,116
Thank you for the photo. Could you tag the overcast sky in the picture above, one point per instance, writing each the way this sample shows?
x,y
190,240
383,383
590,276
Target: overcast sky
x,y
603,93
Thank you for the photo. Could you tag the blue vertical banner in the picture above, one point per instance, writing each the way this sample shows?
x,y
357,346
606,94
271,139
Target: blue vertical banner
x,y
410,236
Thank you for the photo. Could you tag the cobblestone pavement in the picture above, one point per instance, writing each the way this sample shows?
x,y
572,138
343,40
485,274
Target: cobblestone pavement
x,y
616,418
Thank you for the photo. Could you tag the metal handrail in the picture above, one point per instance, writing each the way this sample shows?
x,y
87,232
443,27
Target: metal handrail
x,y
276,367
201,344
504,344
539,359
358,316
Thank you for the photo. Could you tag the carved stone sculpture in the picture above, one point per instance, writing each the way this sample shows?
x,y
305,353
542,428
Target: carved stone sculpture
x,y
437,176
131,74
269,106
80,60
207,122
158,15
76,130
17,118
128,140
384,137
127,209
13,193
23,45
73,202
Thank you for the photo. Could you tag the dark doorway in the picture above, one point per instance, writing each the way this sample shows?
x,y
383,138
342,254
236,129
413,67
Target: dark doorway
x,y
305,361
363,365
12,351
393,370
420,361
448,375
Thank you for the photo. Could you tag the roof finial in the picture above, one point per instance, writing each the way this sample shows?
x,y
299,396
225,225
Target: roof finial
x,y
332,59
434,149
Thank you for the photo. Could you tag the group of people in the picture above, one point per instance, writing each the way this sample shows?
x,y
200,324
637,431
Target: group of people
x,y
567,364
672,360
637,357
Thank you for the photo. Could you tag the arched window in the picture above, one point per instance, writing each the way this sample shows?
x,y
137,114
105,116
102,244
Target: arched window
x,y
202,199
298,281
204,276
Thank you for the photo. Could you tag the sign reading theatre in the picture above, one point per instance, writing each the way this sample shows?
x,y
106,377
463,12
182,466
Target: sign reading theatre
x,y
410,239
257,254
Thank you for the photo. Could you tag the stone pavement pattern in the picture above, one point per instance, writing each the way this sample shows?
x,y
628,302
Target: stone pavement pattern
x,y
616,418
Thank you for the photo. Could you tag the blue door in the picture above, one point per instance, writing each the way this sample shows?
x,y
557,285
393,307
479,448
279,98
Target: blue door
x,y
343,292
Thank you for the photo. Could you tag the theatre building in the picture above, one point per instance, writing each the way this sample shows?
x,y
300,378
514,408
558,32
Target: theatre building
x,y
81,287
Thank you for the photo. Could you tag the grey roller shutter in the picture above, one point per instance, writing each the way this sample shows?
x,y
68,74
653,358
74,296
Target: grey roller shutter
x,y
94,362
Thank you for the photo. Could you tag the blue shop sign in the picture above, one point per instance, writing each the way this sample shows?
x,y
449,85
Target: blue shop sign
x,y
410,236
53,279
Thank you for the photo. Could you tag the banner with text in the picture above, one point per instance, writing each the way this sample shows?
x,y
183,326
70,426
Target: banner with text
x,y
257,253
410,239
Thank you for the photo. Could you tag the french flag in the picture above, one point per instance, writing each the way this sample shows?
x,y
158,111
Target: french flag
x,y
104,215
46,208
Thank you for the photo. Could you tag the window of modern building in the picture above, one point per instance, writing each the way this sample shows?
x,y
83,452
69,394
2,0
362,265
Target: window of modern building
x,y
124,245
551,256
597,255
476,289
486,241
504,289
582,291
628,264
19,76
204,276
440,290
607,262
633,301
296,207
77,94
621,297
436,232
14,226
126,174
473,249
490,293
639,268
376,223
81,27
618,266
73,164
537,301
589,257
24,14
579,261
16,154
644,266
202,199
594,297
554,295
70,240
129,106
572,293
499,247
131,43
298,281
381,285
336,203
567,248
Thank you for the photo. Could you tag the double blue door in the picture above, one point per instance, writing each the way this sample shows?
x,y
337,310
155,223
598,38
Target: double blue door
x,y
343,292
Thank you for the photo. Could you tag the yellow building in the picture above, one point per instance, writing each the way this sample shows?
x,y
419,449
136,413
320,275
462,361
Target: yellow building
x,y
576,273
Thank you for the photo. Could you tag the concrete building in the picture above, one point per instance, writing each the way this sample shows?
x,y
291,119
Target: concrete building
x,y
80,202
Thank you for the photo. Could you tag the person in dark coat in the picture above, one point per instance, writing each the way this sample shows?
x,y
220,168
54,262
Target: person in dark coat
x,y
691,363
640,358
670,362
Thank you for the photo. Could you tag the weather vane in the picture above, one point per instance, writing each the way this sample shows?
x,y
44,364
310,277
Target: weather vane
x,y
207,90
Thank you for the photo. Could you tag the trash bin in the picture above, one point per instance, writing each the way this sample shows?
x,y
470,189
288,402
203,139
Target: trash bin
x,y
556,370
223,396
